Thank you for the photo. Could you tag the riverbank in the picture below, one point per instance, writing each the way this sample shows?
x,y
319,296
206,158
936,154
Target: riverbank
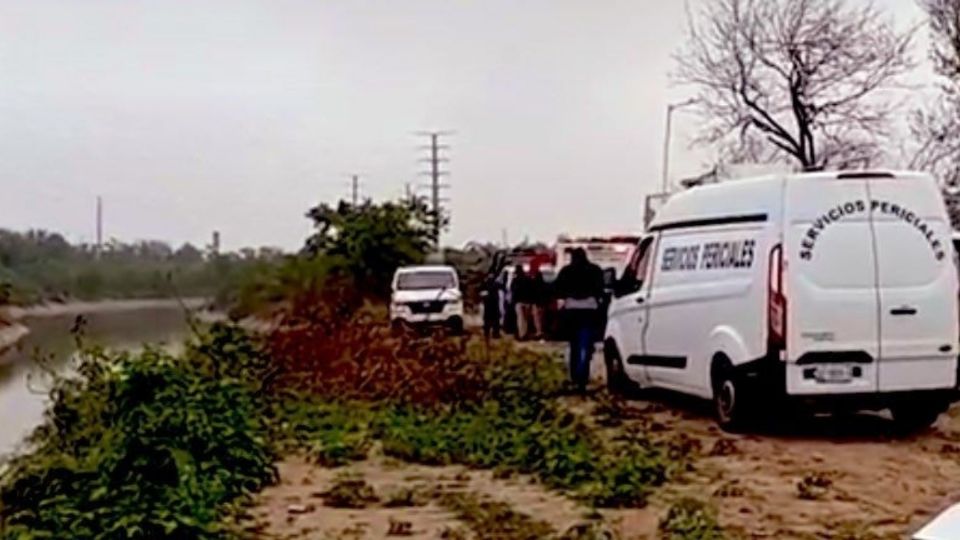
x,y
13,319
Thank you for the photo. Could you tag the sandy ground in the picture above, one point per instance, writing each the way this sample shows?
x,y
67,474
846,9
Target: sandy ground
x,y
876,485
880,487
295,508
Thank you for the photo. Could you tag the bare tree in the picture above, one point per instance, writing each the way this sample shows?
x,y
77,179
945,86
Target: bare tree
x,y
937,128
793,80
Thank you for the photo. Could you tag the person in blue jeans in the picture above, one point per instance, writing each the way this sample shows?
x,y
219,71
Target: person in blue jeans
x,y
580,288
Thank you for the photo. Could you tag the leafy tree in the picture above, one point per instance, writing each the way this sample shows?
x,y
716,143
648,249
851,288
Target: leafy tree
x,y
188,253
369,241
39,265
793,80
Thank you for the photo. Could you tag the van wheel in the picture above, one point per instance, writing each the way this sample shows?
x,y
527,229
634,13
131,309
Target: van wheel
x,y
731,398
618,382
910,418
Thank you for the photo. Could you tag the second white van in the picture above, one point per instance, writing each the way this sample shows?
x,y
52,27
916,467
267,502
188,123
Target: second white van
x,y
836,290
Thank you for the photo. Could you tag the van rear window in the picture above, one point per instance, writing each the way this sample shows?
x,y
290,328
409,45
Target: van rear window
x,y
863,175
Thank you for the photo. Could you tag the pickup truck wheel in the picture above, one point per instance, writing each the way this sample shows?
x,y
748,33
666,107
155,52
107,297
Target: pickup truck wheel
x,y
910,418
455,324
731,399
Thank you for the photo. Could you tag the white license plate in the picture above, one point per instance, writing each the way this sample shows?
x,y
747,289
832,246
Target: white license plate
x,y
834,374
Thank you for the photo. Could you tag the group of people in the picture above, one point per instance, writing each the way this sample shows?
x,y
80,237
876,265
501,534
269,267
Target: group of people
x,y
527,298
579,289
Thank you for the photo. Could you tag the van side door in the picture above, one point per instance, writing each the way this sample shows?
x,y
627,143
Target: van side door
x,y
626,316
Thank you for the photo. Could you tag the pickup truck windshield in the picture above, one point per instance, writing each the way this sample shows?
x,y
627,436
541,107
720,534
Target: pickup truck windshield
x,y
412,281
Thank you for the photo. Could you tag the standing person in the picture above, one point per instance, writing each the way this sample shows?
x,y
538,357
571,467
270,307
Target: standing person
x,y
580,290
491,307
539,298
521,293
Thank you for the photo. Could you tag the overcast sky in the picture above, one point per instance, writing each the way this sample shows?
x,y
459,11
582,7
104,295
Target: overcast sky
x,y
191,116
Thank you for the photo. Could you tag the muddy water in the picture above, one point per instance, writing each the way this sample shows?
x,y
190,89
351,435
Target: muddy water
x,y
24,383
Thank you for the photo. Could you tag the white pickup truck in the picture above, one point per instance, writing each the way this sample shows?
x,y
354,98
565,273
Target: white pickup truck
x,y
426,296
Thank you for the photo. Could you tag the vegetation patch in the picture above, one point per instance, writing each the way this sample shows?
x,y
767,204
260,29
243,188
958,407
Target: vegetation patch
x,y
690,519
350,491
493,520
406,497
143,445
814,486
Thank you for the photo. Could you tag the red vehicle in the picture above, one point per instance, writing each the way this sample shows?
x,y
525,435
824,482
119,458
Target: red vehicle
x,y
611,253
608,252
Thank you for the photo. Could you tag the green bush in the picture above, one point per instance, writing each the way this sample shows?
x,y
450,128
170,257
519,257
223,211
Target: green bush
x,y
137,446
690,519
332,434
516,425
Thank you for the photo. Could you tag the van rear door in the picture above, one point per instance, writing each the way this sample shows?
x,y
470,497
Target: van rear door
x,y
830,285
917,284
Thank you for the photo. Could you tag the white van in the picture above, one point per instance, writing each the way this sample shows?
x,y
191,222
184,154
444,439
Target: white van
x,y
427,295
836,289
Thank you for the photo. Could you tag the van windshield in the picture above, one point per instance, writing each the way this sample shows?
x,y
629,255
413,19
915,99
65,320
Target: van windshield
x,y
413,281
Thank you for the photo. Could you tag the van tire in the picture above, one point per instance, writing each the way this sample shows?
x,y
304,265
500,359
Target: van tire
x,y
909,418
618,382
731,396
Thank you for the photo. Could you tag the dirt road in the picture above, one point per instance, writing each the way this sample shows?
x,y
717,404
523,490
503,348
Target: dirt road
x,y
845,477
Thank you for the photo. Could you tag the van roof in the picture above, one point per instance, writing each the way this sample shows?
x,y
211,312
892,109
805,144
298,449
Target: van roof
x,y
425,268
747,197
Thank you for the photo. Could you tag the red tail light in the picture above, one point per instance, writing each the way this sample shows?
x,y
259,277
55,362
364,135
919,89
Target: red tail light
x,y
776,301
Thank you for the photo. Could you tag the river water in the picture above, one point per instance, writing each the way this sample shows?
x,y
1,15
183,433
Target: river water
x,y
24,383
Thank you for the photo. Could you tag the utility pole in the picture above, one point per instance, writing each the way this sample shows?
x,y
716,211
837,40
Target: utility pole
x,y
354,189
435,174
666,140
99,225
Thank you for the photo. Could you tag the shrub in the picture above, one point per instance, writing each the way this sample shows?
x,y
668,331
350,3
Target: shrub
x,y
494,520
320,351
137,446
690,519
518,426
350,491
331,434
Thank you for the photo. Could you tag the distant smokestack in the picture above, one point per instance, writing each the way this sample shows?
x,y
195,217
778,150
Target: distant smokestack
x,y
99,225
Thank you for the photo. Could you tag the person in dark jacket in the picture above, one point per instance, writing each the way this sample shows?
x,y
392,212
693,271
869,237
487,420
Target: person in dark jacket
x,y
580,288
491,307
521,294
539,296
